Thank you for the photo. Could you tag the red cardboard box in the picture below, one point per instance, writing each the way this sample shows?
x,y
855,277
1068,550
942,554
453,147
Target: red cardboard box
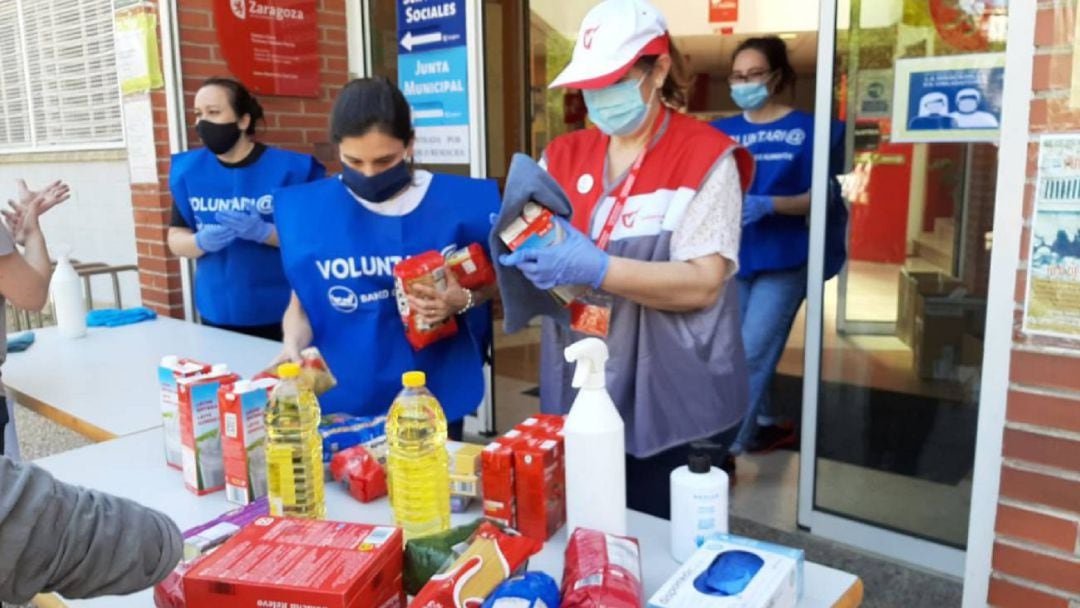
x,y
282,563
547,423
540,487
497,464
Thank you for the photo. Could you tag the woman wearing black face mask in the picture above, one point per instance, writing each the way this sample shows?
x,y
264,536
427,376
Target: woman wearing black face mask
x,y
223,211
339,257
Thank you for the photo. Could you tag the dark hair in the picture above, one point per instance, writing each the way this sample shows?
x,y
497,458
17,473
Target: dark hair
x,y
675,91
775,52
241,100
371,103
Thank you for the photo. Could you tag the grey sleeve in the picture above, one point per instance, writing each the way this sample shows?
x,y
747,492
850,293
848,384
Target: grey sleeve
x,y
77,542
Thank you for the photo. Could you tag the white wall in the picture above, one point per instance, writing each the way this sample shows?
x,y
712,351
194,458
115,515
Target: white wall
x,y
97,222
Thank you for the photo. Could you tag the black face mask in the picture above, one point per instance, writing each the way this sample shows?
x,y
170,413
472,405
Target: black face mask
x,y
377,188
217,137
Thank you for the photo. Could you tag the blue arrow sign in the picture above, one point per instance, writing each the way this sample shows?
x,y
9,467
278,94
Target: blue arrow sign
x,y
427,25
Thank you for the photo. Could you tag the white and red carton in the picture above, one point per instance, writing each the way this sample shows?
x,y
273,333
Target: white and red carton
x,y
243,438
282,562
200,430
170,370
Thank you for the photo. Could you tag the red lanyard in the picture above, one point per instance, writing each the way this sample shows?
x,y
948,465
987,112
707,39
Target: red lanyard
x,y
627,186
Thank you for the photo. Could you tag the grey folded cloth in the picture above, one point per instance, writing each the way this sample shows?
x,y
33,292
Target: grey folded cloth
x,y
522,301
77,542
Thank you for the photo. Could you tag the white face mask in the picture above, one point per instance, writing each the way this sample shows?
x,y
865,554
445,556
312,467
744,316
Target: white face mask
x,y
967,106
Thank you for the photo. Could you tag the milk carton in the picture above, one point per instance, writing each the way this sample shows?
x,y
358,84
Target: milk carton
x,y
200,430
170,370
243,438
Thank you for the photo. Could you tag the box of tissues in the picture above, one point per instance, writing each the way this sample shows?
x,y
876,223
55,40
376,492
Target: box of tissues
x,y
734,572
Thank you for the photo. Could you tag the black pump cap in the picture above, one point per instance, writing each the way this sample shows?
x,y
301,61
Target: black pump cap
x,y
700,460
700,463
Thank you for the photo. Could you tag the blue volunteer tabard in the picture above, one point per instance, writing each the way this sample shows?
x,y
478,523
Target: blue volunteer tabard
x,y
783,152
243,284
339,258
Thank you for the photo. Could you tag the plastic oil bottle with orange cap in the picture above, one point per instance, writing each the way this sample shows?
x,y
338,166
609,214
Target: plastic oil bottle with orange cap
x,y
294,448
417,467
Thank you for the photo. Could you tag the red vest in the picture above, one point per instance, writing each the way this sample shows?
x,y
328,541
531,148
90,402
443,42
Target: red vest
x,y
684,155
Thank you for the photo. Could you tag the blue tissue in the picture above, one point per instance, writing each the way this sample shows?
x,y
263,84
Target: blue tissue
x,y
20,342
729,573
114,317
536,587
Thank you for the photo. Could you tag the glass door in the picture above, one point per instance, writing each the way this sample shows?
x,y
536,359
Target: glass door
x,y
893,357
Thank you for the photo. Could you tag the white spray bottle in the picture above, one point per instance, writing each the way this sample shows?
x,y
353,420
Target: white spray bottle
x,y
67,296
595,447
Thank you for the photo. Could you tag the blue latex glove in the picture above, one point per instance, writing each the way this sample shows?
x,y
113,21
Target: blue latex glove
x,y
575,261
214,238
755,207
248,224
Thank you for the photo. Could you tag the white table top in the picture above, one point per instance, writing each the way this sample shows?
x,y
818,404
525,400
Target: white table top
x,y
134,467
109,378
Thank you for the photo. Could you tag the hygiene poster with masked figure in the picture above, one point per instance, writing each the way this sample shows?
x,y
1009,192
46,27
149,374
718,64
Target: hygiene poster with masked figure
x,y
948,99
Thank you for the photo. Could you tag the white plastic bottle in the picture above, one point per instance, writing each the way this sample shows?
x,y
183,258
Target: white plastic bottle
x,y
699,504
595,447
67,296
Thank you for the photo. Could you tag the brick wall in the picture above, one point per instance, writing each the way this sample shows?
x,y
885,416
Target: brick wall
x,y
295,123
1036,560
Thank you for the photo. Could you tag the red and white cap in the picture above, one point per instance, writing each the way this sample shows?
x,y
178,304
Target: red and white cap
x,y
613,36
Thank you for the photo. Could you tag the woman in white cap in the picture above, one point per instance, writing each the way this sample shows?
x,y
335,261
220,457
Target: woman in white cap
x,y
659,195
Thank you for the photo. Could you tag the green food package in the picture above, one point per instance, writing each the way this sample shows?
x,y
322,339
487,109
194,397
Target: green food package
x,y
424,557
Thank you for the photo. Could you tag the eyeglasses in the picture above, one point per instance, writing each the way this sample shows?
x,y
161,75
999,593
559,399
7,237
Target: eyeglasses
x,y
751,76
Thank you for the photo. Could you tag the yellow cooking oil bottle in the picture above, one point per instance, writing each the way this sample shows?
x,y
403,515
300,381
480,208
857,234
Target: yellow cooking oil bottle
x,y
294,448
418,465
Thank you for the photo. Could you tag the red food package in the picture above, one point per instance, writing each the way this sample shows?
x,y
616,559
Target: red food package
x,y
497,478
540,486
366,479
345,460
425,269
169,593
551,424
602,571
471,267
491,557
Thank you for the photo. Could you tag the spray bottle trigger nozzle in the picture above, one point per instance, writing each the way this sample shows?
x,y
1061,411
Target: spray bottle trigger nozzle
x,y
591,355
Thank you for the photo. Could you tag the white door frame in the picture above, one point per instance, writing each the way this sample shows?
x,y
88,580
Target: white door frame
x,y
924,553
1004,262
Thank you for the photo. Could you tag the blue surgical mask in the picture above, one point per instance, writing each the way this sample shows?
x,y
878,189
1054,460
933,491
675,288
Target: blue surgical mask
x,y
380,187
750,95
617,109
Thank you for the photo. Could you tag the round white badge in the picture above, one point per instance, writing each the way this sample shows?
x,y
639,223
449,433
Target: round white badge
x,y
585,183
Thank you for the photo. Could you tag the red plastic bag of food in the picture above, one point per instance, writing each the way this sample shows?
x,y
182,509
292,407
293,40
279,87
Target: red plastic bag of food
x,y
425,269
602,571
491,557
169,593
345,460
366,479
471,267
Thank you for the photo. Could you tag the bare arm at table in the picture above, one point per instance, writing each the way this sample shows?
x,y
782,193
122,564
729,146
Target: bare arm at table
x,y
297,331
